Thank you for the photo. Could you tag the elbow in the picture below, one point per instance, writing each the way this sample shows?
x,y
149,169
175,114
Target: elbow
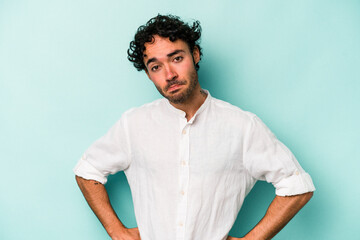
x,y
77,178
80,181
305,197
309,195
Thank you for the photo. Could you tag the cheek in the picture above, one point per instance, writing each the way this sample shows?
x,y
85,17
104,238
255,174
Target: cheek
x,y
157,79
187,68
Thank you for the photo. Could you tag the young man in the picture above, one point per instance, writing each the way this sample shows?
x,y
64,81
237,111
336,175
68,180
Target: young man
x,y
190,159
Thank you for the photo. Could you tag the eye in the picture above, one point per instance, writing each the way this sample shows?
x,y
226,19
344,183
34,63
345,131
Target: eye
x,y
178,59
154,68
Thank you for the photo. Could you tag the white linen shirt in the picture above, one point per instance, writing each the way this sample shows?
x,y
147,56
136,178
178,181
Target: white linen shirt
x,y
188,179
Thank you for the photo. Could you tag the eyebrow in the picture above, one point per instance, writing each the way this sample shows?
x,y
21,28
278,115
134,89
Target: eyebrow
x,y
168,55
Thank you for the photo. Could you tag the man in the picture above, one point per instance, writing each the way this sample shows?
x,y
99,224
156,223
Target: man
x,y
190,159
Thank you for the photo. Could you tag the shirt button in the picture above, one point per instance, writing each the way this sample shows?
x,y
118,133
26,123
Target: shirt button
x,y
182,193
183,163
184,132
181,224
297,173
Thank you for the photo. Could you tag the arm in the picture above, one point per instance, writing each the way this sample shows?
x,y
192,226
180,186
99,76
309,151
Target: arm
x,y
279,213
98,200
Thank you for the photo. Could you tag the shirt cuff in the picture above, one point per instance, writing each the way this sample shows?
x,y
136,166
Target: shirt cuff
x,y
85,170
298,183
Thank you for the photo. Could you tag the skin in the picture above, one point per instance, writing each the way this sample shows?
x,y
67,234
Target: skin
x,y
171,67
279,213
98,200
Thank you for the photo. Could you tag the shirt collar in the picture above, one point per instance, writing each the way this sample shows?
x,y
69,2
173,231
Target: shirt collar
x,y
182,114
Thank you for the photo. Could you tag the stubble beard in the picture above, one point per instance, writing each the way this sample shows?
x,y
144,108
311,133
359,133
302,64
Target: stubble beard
x,y
185,95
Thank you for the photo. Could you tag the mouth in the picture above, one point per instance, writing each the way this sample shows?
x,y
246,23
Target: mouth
x,y
174,87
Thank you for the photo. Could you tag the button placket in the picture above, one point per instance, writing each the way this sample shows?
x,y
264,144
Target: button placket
x,y
183,182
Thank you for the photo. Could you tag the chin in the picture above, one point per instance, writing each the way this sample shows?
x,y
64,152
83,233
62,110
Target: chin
x,y
177,98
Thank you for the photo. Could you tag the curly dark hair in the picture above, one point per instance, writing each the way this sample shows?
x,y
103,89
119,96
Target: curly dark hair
x,y
168,26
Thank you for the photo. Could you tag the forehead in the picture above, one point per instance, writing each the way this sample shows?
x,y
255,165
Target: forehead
x,y
161,46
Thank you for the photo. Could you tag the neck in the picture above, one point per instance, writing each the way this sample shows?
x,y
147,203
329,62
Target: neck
x,y
193,103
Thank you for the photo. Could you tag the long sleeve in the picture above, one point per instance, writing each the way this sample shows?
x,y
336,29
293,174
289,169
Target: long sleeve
x,y
266,158
108,155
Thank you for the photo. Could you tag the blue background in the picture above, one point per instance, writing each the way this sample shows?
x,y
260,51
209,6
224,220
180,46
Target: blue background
x,y
65,80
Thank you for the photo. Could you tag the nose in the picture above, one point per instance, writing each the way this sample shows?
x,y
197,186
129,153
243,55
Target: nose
x,y
170,73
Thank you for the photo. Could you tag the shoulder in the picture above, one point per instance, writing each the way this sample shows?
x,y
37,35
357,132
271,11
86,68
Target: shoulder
x,y
228,110
145,110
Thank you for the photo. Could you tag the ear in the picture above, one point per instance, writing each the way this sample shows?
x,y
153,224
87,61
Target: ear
x,y
196,55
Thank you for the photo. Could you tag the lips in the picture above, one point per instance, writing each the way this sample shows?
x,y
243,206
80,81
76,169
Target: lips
x,y
174,87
